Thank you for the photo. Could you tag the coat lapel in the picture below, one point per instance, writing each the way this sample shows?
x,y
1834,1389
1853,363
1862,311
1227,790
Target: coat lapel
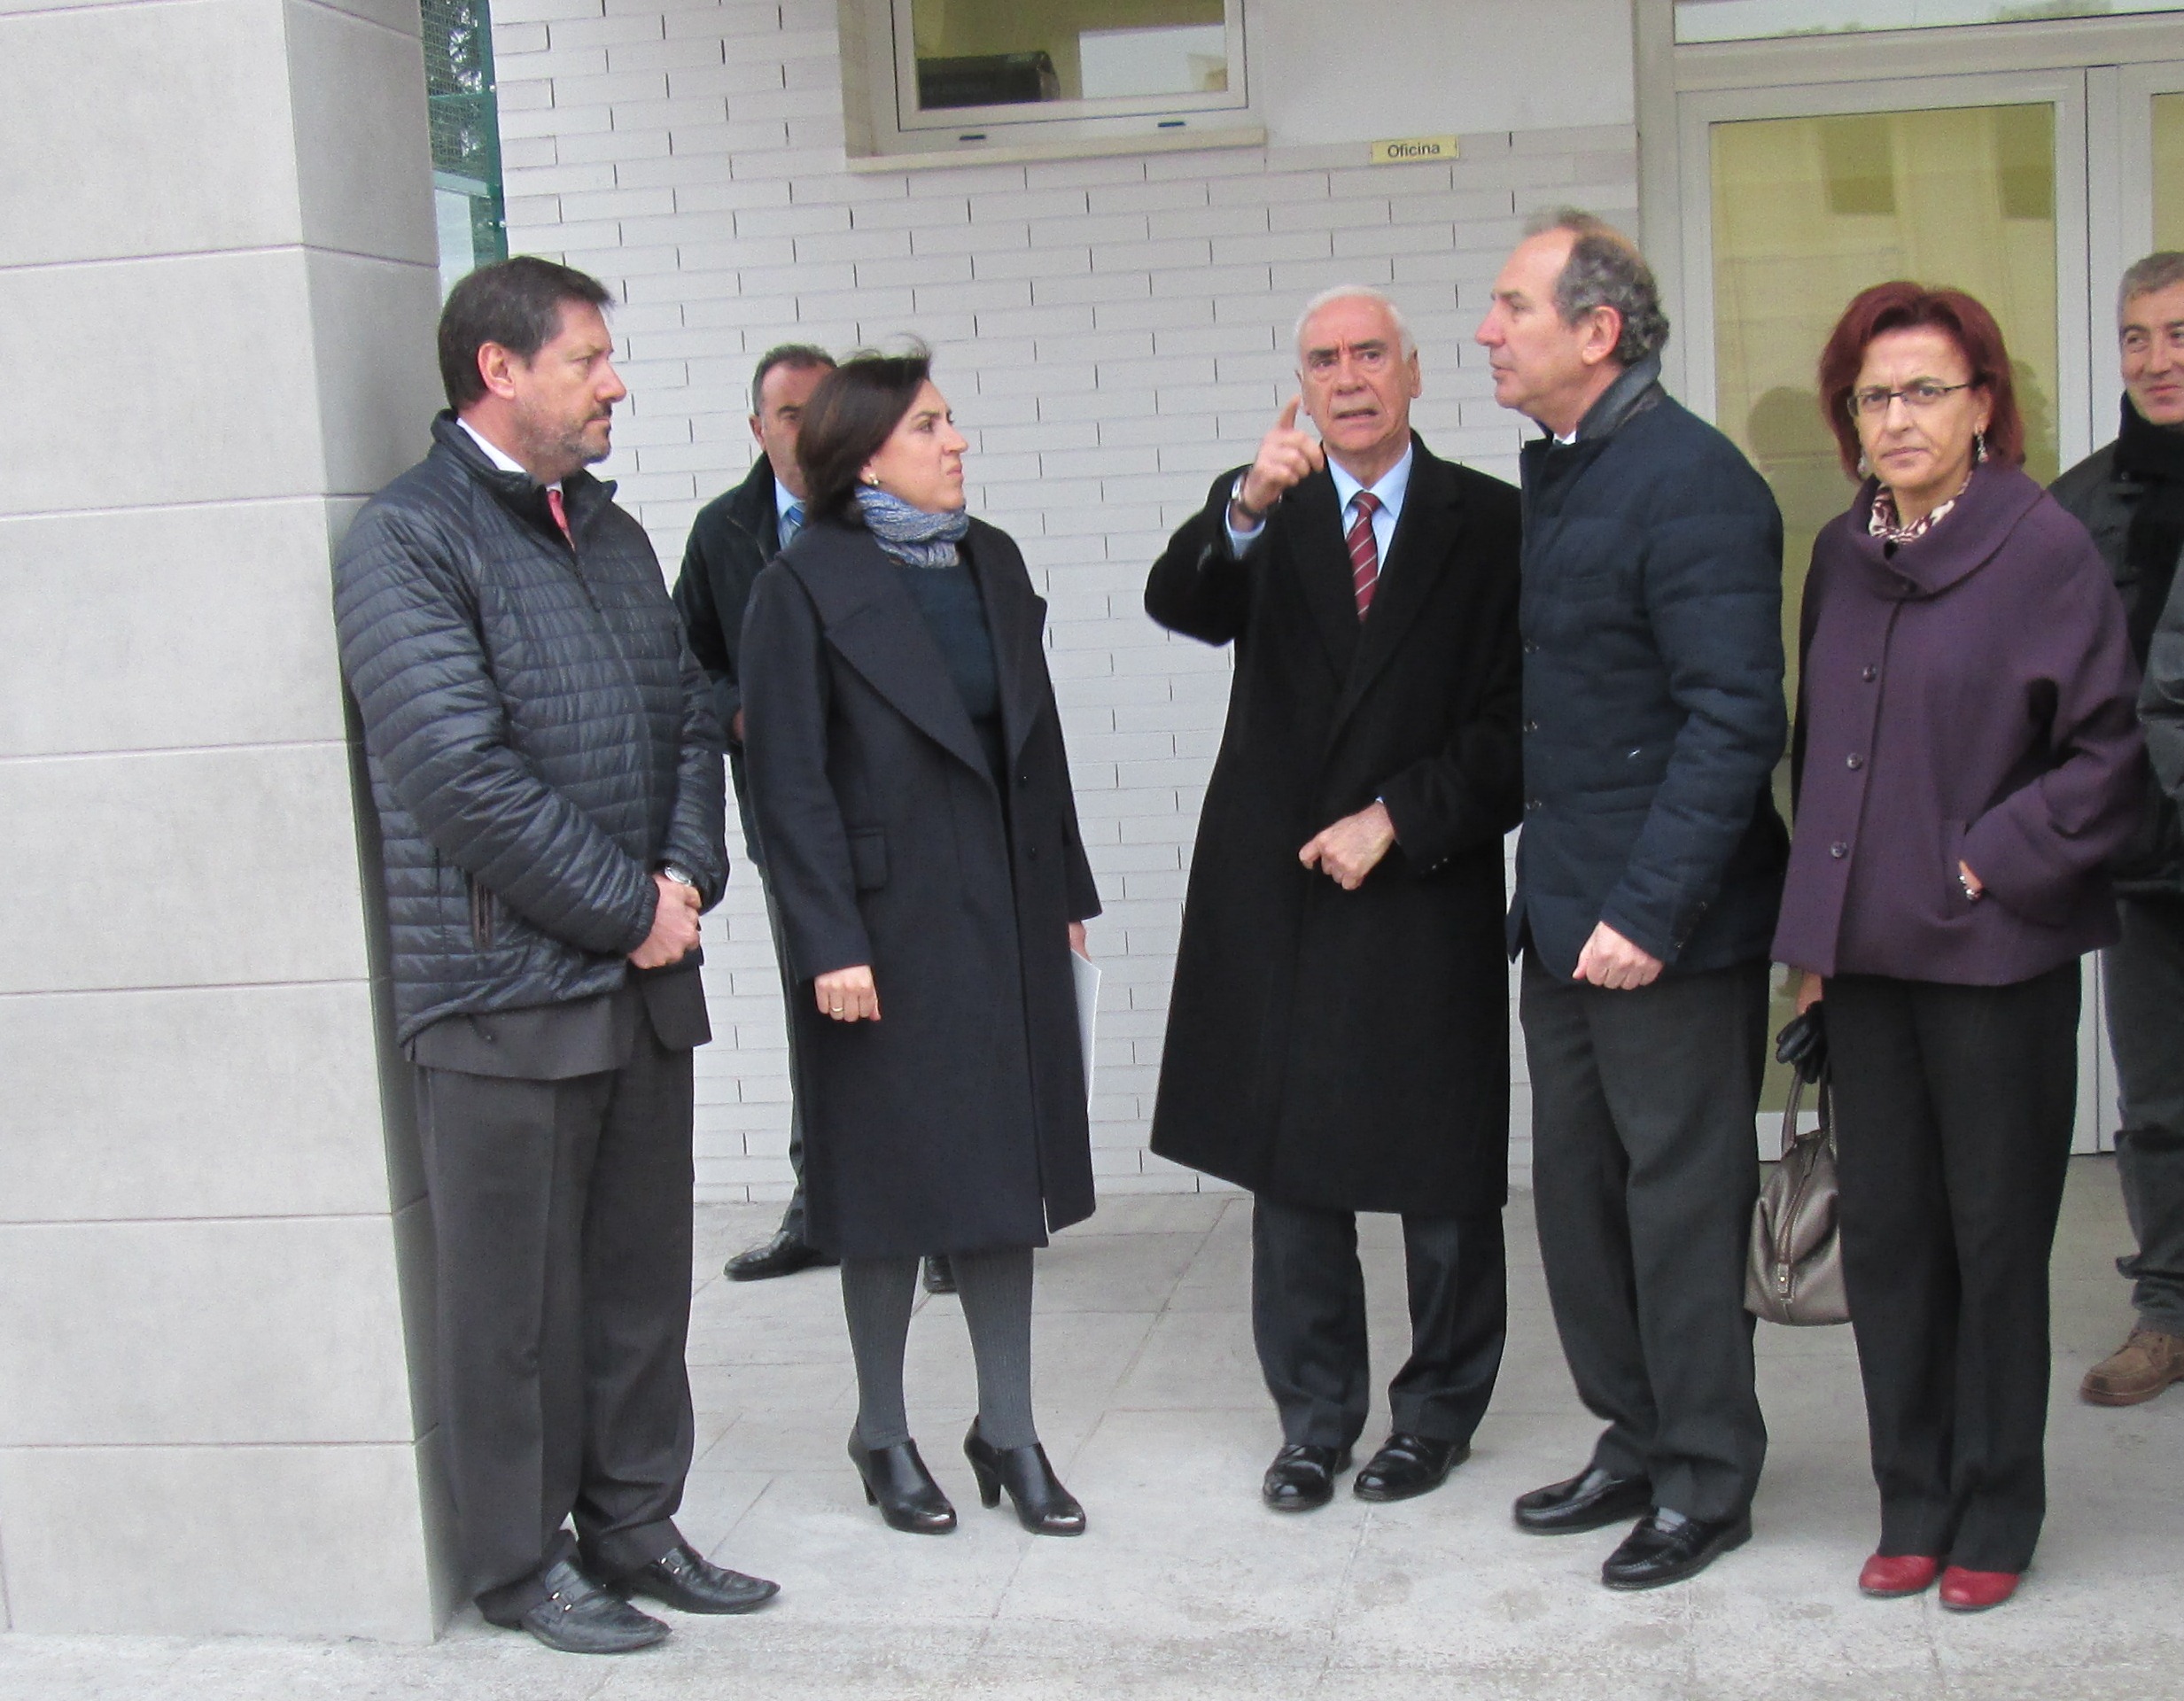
x,y
874,624
1016,618
1418,554
1322,567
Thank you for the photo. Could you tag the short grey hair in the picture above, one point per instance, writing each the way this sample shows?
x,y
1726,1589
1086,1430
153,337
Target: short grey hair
x,y
1358,292
797,357
1605,269
2156,272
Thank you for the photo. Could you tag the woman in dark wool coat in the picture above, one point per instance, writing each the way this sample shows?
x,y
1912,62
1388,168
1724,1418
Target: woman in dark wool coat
x,y
911,788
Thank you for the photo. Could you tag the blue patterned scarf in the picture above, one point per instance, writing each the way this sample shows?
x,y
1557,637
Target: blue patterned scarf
x,y
911,535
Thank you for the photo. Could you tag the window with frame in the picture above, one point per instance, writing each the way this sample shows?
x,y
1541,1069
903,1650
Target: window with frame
x,y
1741,21
955,75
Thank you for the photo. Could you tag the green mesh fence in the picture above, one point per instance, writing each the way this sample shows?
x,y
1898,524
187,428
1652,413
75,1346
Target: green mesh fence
x,y
466,133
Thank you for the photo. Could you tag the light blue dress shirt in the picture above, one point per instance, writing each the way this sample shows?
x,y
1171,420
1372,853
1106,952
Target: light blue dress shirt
x,y
788,514
1392,485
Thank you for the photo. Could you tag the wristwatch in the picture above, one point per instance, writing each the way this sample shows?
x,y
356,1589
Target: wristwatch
x,y
680,876
1256,515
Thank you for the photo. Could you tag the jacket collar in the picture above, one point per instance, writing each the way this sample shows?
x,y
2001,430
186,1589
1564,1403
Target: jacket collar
x,y
1634,391
1970,536
873,624
583,495
750,507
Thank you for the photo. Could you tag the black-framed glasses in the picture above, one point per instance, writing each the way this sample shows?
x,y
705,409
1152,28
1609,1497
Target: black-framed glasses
x,y
1918,396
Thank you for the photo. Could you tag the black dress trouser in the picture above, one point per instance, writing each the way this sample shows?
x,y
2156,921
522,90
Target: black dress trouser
x,y
1308,1318
561,1215
1645,1165
1952,1113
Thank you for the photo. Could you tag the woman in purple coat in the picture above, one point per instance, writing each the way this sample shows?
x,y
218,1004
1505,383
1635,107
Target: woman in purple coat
x,y
1966,759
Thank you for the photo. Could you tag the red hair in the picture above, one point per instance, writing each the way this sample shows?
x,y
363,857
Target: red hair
x,y
1903,306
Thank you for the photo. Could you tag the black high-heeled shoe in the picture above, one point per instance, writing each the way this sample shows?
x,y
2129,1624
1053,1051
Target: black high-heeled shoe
x,y
1043,1505
897,1482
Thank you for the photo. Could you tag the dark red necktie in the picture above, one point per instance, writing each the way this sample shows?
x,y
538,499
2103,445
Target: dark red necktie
x,y
1364,550
560,511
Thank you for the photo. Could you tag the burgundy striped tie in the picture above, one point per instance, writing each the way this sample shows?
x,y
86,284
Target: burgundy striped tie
x,y
1364,550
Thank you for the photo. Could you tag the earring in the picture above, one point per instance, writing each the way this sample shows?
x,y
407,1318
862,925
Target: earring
x,y
871,483
1979,448
1865,467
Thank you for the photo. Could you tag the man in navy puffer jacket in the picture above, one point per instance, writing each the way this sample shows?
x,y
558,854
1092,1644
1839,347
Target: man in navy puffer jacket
x,y
546,768
1648,877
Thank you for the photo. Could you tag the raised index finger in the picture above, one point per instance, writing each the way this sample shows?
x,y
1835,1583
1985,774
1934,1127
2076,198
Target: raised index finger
x,y
1287,421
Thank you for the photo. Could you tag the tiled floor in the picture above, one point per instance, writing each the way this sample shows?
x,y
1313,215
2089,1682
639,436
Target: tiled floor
x,y
1185,1588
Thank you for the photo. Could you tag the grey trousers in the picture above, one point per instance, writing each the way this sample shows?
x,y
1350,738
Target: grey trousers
x,y
2145,981
1645,1165
561,1215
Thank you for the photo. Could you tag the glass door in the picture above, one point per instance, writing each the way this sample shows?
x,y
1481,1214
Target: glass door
x,y
1795,198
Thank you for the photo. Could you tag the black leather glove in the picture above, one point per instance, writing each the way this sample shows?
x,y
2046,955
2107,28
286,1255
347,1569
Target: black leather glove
x,y
1803,1044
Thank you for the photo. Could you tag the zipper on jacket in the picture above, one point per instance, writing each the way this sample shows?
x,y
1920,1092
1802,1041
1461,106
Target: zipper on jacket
x,y
481,914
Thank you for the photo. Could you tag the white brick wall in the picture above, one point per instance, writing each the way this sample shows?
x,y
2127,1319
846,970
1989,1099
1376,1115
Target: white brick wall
x,y
1112,333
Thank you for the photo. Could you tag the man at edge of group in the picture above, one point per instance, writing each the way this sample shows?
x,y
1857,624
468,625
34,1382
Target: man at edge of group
x,y
2130,496
1338,1038
546,772
1648,876
733,536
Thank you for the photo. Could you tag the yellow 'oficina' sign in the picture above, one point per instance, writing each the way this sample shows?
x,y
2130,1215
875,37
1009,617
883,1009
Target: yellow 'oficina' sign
x,y
1411,149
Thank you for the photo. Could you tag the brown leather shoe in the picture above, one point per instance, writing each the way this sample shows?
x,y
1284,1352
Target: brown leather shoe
x,y
2135,1371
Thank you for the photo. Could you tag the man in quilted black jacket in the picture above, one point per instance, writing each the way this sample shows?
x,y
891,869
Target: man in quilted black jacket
x,y
546,768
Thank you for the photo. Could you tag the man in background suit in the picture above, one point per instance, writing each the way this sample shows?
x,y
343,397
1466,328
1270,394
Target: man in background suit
x,y
1338,1039
734,535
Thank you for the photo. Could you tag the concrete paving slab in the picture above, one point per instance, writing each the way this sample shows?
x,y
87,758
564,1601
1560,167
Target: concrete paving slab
x,y
1184,1587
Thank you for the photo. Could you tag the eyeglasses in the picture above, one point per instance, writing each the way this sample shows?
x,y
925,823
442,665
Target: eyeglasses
x,y
1871,404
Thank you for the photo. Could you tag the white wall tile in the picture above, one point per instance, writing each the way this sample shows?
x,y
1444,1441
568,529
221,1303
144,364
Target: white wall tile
x,y
267,1541
225,1330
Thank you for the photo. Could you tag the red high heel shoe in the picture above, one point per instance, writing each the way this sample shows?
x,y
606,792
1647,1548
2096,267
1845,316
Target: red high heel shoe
x,y
1887,1576
1975,1591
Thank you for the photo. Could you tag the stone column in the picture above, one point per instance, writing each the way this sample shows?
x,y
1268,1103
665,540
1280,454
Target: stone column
x,y
217,294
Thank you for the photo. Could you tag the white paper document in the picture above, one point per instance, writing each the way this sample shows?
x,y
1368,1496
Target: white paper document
x,y
1087,975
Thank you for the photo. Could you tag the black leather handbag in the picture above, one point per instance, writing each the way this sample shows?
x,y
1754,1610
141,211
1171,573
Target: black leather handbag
x,y
1794,1274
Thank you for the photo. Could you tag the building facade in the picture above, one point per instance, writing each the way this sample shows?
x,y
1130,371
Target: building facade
x,y
220,280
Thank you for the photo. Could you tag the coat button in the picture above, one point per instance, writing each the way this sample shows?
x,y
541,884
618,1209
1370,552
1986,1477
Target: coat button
x,y
1530,649
1870,673
1023,779
1854,762
1033,853
1838,850
1531,803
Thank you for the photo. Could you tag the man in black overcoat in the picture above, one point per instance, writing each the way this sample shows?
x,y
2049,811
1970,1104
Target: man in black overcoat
x,y
1648,877
733,536
1338,1039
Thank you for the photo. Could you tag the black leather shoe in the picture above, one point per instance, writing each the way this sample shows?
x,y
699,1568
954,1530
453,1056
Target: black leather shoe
x,y
685,1580
1590,1500
1302,1478
897,1482
1043,1505
579,1616
784,1255
1668,1546
1407,1465
939,1274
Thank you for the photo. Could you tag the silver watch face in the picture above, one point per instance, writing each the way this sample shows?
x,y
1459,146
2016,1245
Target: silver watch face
x,y
680,876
